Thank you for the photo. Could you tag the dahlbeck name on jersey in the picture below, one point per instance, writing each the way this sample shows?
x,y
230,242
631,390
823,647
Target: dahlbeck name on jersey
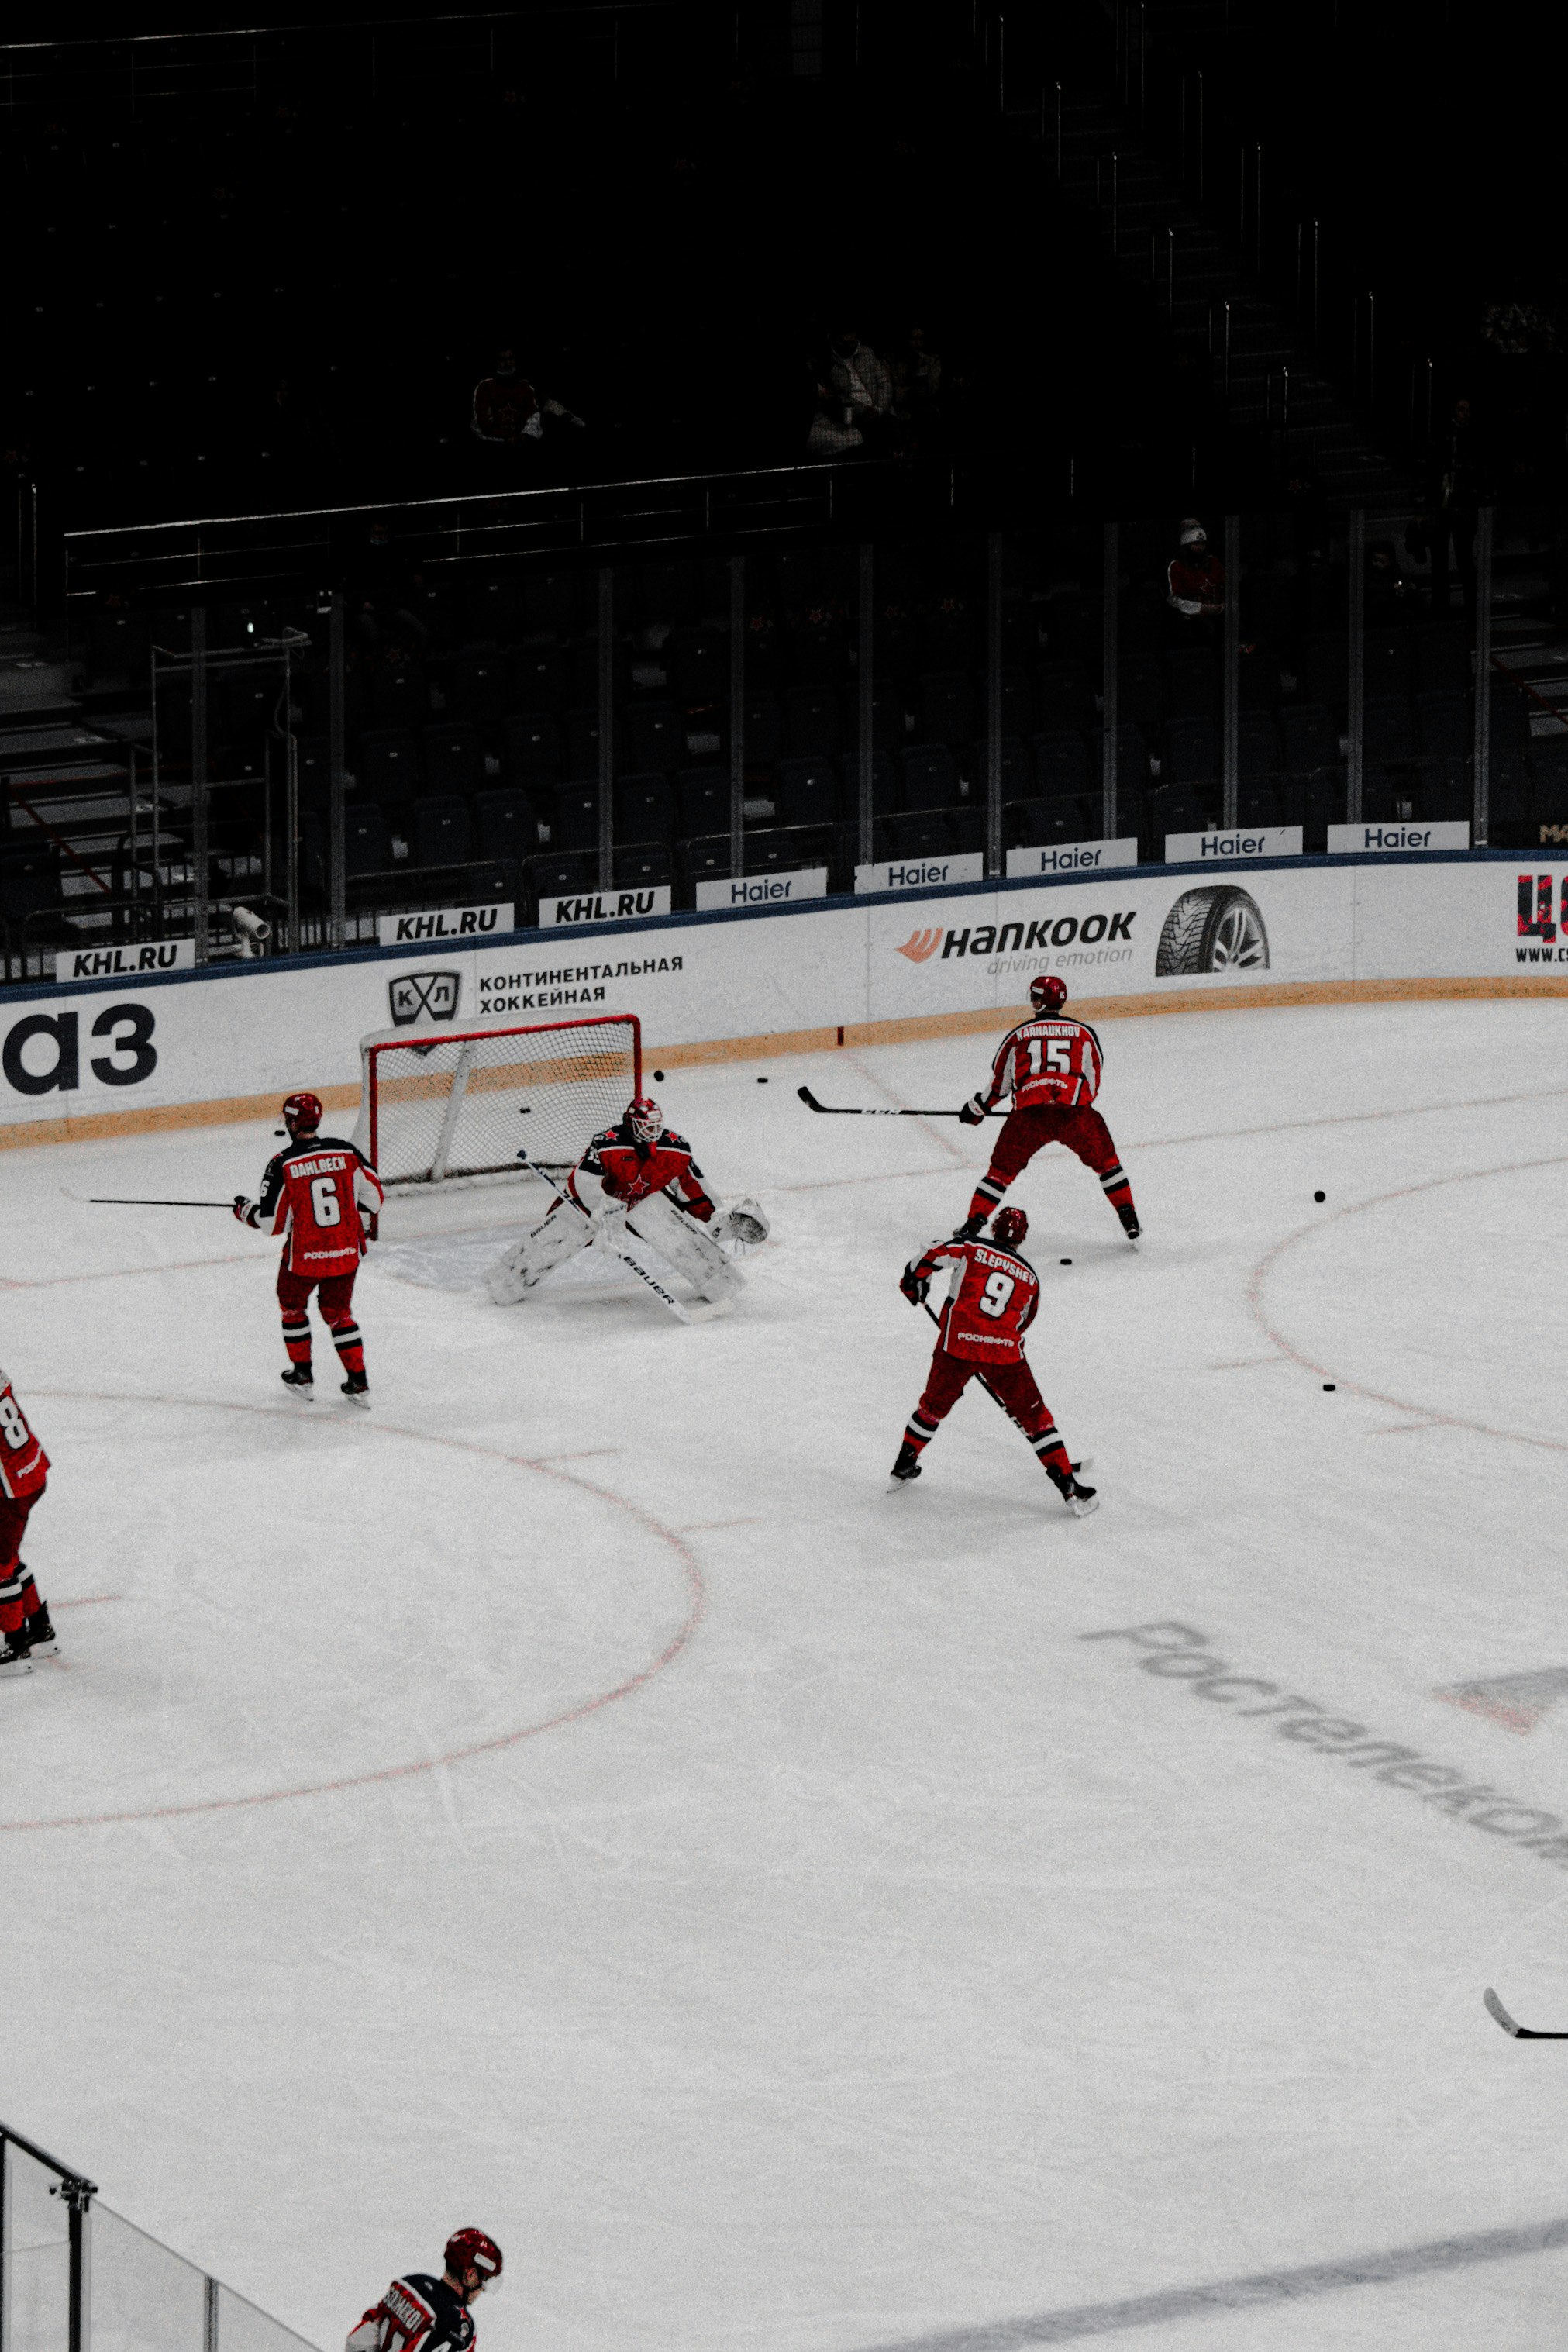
x,y
238,1039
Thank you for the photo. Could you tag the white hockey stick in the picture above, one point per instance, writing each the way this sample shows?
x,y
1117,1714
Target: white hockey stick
x,y
630,1250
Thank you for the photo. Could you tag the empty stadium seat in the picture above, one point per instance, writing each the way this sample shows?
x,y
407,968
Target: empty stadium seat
x,y
442,833
1308,736
386,766
645,809
538,678
1192,751
1257,746
507,824
1387,727
453,760
1037,825
643,865
574,817
533,747
704,803
808,791
1061,763
811,720
367,843
650,735
479,685
945,707
929,775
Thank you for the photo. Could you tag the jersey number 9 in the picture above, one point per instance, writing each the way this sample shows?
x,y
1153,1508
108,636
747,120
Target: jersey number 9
x,y
998,1290
324,1201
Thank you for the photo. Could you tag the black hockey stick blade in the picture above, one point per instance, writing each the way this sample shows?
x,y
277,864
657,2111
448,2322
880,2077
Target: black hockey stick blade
x,y
873,1110
1520,2032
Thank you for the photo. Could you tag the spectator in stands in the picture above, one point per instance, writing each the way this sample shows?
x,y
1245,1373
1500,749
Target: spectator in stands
x,y
916,372
1195,576
863,383
508,411
1454,493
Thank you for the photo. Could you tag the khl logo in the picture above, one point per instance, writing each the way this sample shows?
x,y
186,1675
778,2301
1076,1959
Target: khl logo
x,y
432,993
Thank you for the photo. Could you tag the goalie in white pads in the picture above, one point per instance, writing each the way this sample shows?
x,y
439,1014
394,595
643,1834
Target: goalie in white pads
x,y
638,1177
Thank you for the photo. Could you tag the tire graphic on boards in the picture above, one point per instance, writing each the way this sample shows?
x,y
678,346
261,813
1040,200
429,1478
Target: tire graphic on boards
x,y
1216,928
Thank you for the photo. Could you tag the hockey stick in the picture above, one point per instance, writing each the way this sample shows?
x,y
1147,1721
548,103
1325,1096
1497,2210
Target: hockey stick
x,y
120,1201
859,1110
1520,2032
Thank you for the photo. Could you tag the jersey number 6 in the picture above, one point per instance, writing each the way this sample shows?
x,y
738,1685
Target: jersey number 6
x,y
998,1290
324,1201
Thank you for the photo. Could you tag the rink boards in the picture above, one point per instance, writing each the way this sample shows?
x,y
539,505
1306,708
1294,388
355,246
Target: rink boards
x,y
192,1047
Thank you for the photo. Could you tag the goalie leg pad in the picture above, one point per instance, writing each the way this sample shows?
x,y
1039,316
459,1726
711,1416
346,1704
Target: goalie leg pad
x,y
686,1248
559,1237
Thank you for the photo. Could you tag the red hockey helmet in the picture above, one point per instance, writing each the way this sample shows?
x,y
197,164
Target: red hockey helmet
x,y
1010,1226
1047,993
471,2249
644,1118
302,1111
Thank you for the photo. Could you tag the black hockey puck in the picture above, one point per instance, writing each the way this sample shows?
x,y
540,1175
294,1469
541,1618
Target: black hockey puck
x,y
762,1082
658,1077
1328,1387
1067,1261
1319,1196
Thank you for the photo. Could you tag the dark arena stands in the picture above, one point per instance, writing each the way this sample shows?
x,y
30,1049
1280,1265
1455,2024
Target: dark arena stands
x,y
484,457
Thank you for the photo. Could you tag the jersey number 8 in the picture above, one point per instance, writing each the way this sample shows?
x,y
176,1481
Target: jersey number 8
x,y
13,1428
998,1290
324,1201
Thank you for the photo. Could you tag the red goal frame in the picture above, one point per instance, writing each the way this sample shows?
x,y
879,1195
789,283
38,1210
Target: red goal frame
x,y
405,1040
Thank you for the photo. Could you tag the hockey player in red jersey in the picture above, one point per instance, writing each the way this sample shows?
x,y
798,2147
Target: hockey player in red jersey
x,y
635,1159
638,1177
420,2313
26,1632
990,1304
317,1194
1050,1064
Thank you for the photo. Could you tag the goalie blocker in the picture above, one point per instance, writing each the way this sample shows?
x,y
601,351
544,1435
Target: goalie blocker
x,y
637,1184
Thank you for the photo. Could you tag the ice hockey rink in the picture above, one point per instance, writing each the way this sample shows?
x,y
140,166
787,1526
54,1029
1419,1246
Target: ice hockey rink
x,y
575,1797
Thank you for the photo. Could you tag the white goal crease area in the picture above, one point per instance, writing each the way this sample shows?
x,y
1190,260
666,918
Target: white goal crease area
x,y
439,1106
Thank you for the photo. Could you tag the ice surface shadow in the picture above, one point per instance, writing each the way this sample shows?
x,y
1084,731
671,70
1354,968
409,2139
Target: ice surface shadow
x,y
1256,2292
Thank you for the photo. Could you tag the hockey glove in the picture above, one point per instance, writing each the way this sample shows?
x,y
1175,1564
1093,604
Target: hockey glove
x,y
915,1287
745,1224
244,1211
974,1111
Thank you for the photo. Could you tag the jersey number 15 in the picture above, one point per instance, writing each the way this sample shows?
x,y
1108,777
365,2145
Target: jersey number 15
x,y
1058,1057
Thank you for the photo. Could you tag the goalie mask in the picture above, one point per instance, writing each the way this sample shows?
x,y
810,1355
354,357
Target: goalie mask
x,y
1048,994
645,1119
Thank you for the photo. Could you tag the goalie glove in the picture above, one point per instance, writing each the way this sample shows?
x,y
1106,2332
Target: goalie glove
x,y
974,1111
743,1226
248,1211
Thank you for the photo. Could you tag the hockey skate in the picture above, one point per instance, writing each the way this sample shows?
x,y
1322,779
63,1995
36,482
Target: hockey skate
x,y
906,1470
37,1636
1080,1499
13,1660
1130,1225
357,1388
299,1378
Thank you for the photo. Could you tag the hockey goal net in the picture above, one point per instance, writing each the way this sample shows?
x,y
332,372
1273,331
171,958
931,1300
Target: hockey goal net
x,y
436,1105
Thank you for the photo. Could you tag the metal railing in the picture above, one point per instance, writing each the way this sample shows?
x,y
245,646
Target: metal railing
x,y
77,2277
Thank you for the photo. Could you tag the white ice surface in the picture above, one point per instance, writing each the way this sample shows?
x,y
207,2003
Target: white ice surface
x,y
575,1797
